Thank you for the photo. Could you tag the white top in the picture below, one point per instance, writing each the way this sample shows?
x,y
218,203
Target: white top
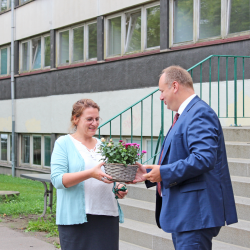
x,y
185,103
99,198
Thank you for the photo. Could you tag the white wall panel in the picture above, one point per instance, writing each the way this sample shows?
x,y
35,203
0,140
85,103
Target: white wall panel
x,y
34,18
43,15
5,28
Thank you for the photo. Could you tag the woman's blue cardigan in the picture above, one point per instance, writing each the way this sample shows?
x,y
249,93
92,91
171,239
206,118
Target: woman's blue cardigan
x,y
70,208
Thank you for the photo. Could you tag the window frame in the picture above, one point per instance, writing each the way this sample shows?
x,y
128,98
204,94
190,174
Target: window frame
x,y
31,54
225,18
7,160
8,60
43,150
123,14
71,44
32,150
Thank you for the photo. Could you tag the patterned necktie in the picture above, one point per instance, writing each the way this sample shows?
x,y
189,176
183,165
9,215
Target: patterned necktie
x,y
159,162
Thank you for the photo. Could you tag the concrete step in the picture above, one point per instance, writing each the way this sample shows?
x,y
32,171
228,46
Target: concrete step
x,y
237,234
123,245
140,192
237,149
151,237
237,134
138,210
241,186
239,167
144,211
243,207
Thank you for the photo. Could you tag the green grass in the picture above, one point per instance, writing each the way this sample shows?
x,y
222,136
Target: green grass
x,y
30,200
48,225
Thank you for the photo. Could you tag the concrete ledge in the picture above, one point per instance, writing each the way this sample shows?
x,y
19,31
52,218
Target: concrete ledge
x,y
8,193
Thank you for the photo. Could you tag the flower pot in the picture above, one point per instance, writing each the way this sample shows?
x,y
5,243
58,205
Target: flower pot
x,y
120,172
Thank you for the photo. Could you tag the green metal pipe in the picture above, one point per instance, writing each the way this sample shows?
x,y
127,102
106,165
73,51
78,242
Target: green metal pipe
x,y
235,91
243,85
120,126
141,125
152,111
210,76
131,125
218,86
201,81
110,130
226,86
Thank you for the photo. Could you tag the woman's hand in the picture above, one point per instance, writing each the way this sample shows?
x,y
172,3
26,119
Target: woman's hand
x,y
98,174
121,194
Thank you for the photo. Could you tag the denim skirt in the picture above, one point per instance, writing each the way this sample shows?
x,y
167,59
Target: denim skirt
x,y
99,233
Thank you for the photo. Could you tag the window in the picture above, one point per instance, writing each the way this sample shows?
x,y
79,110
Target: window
x,y
133,31
92,41
153,26
114,39
183,20
77,44
4,140
238,15
196,20
5,5
47,150
5,61
35,53
64,47
25,149
37,150
23,1
47,51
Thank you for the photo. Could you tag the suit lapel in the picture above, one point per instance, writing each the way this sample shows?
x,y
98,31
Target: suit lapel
x,y
172,131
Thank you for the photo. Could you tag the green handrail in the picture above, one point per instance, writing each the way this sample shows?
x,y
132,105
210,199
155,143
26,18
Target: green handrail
x,y
202,71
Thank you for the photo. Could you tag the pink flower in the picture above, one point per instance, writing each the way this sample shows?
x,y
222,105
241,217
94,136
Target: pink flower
x,y
138,154
144,151
120,140
127,144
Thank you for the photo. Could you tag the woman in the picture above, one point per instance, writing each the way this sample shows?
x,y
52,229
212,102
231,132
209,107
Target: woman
x,y
87,213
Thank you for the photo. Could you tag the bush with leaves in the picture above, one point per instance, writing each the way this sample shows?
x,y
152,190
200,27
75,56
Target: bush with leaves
x,y
122,153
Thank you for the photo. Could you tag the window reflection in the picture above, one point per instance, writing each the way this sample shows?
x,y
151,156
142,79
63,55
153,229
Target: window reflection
x,y
133,32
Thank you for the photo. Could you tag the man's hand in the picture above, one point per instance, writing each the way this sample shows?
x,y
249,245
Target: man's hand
x,y
154,175
139,174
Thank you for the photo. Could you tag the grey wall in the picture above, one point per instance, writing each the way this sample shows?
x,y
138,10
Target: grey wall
x,y
125,74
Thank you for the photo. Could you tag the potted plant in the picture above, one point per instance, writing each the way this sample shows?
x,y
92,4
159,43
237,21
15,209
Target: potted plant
x,y
120,159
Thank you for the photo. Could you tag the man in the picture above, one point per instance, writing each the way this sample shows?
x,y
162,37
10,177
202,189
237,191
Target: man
x,y
194,195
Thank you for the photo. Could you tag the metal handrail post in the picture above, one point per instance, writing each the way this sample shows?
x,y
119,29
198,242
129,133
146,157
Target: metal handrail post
x,y
235,91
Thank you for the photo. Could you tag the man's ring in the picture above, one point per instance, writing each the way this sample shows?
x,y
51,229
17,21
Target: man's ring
x,y
103,178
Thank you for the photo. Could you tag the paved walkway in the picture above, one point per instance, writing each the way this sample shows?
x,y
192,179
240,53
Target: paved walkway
x,y
13,240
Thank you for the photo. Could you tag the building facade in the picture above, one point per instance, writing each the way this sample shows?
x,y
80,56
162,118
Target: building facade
x,y
109,51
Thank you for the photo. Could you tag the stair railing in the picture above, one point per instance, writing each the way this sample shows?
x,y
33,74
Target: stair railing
x,y
214,75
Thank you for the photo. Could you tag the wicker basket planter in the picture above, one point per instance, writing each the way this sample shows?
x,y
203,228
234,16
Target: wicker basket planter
x,y
120,172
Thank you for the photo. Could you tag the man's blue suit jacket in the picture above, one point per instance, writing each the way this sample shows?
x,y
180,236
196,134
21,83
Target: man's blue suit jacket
x,y
196,186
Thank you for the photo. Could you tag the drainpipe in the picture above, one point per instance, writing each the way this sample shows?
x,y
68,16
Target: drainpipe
x,y
12,88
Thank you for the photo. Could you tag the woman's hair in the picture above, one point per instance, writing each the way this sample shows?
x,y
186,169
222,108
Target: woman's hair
x,y
78,109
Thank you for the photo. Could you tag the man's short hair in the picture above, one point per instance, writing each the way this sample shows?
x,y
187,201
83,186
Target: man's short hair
x,y
178,74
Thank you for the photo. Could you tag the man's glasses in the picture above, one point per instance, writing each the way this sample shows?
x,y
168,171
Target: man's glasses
x,y
91,120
